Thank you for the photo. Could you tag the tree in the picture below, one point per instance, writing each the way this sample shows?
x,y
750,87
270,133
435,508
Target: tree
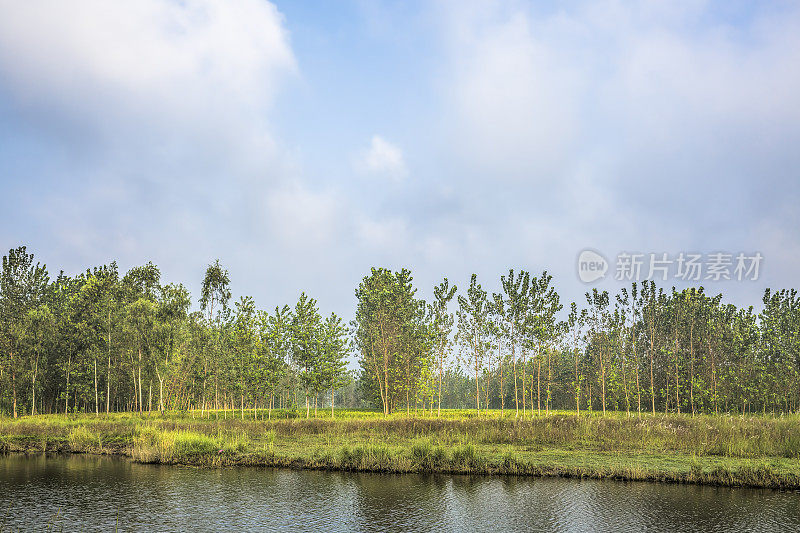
x,y
172,311
383,337
306,349
333,367
516,290
21,286
473,329
273,350
544,304
215,293
40,330
244,345
441,321
598,338
575,323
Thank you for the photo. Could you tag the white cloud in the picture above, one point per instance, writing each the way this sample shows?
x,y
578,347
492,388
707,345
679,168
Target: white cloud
x,y
640,96
387,235
383,159
303,218
199,68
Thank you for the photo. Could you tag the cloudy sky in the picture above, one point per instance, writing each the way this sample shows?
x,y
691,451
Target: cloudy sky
x,y
302,143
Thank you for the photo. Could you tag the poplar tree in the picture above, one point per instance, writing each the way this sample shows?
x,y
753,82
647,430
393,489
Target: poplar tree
x,y
333,366
215,293
273,350
306,346
441,328
22,284
473,330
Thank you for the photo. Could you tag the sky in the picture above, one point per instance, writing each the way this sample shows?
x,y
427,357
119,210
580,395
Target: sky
x,y
302,143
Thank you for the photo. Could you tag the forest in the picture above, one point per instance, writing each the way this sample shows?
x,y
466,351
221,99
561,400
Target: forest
x,y
102,341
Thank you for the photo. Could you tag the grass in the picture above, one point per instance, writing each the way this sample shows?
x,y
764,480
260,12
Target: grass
x,y
760,451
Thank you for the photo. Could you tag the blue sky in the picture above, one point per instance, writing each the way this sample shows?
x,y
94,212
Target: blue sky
x,y
303,142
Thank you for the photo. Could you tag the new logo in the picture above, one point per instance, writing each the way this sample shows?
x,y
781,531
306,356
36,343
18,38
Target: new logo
x,y
591,266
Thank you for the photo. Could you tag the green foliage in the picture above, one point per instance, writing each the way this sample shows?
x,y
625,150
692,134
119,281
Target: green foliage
x,y
101,342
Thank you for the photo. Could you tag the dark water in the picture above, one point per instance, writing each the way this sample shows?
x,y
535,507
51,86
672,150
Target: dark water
x,y
93,493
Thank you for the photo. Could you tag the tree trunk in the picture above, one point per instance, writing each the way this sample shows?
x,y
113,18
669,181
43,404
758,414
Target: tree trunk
x,y
677,385
33,385
549,382
477,386
691,364
66,401
516,392
502,389
108,373
141,404
96,394
538,383
161,393
603,381
108,385
636,365
652,382
441,364
577,385
524,380
14,383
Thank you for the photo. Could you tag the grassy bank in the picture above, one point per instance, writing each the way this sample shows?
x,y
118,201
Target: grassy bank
x,y
724,450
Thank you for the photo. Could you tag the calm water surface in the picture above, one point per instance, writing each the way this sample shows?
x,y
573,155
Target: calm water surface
x,y
80,493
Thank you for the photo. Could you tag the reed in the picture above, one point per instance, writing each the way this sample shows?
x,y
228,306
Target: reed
x,y
760,451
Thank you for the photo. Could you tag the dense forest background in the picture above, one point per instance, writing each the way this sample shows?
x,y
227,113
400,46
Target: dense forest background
x,y
102,341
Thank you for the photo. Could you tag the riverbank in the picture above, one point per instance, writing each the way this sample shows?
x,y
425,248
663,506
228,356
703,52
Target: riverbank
x,y
719,450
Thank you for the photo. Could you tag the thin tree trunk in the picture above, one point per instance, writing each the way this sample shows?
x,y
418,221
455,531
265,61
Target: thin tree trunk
x,y
161,393
441,365
652,382
33,385
549,382
577,385
502,383
141,404
636,365
14,383
691,364
516,391
603,380
108,372
66,401
524,380
96,394
108,385
477,386
538,383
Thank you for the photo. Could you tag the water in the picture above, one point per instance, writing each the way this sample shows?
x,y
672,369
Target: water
x,y
85,493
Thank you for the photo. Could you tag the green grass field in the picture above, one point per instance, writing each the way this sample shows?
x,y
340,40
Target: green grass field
x,y
725,450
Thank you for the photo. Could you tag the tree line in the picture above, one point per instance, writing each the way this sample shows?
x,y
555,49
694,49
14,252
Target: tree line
x,y
101,342
644,349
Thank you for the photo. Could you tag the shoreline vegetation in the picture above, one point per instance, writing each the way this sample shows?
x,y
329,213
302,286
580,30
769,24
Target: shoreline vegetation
x,y
725,450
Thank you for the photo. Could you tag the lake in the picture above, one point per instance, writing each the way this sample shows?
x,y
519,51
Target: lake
x,y
90,493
